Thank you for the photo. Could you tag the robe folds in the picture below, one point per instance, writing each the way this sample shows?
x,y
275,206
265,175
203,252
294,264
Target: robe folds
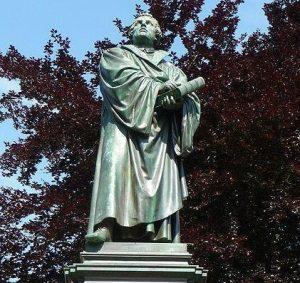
x,y
139,179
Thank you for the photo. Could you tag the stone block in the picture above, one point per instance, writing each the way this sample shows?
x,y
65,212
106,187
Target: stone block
x,y
135,262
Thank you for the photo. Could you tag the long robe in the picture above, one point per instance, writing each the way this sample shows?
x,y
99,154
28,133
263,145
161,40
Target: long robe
x,y
139,178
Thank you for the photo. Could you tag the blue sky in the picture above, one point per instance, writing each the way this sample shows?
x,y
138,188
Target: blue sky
x,y
27,25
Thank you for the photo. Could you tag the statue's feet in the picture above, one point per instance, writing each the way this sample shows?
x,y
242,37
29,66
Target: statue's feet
x,y
99,236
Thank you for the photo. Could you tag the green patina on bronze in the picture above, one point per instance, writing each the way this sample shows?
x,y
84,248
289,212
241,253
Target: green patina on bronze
x,y
139,180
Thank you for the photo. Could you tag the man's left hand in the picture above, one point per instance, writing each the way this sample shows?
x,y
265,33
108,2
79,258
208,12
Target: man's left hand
x,y
170,103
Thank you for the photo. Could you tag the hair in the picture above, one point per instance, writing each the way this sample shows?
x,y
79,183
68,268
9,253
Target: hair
x,y
158,33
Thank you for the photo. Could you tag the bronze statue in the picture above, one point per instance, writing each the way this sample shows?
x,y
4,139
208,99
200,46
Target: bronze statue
x,y
139,183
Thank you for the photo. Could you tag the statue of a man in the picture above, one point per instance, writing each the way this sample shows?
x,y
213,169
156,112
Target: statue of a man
x,y
139,183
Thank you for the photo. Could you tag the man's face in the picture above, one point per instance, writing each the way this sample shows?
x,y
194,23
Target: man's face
x,y
144,32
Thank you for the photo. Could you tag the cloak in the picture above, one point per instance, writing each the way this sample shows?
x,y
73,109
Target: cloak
x,y
139,178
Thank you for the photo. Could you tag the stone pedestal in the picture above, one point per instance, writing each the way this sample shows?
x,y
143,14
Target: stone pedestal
x,y
135,262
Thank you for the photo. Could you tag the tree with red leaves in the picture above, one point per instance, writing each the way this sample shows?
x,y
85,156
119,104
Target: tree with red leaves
x,y
242,214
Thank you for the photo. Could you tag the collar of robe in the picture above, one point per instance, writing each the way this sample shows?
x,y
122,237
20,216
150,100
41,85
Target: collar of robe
x,y
158,55
148,50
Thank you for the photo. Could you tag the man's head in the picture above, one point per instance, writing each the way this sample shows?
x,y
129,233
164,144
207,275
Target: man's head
x,y
145,31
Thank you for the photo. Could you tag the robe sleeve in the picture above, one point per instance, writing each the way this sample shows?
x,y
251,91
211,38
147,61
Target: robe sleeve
x,y
191,111
190,118
127,92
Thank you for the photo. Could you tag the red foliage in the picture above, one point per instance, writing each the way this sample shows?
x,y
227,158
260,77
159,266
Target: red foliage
x,y
242,213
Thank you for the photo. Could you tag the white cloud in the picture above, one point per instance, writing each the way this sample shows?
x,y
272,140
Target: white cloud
x,y
6,85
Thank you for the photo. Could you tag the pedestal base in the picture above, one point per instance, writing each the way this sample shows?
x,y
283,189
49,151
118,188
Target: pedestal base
x,y
135,262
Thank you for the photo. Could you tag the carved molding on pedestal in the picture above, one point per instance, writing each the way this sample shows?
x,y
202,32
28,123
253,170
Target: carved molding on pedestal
x,y
135,262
